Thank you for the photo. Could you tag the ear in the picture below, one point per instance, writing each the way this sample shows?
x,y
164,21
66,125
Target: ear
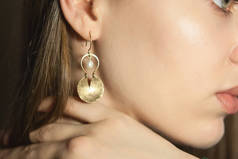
x,y
84,16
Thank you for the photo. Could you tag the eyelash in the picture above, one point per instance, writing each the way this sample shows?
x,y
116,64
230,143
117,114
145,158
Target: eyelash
x,y
217,8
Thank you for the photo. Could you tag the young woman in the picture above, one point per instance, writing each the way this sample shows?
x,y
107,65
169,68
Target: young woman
x,y
153,74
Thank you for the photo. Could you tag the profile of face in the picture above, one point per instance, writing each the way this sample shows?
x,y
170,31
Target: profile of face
x,y
162,62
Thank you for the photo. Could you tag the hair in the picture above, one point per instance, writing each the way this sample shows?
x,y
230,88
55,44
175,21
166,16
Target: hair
x,y
47,72
47,69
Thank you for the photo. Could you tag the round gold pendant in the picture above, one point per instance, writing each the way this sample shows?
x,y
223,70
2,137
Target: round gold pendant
x,y
90,91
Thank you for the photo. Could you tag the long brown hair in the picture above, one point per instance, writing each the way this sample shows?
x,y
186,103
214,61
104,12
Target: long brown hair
x,y
47,69
48,73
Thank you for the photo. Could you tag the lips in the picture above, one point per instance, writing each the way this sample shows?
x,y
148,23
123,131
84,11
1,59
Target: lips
x,y
233,91
229,100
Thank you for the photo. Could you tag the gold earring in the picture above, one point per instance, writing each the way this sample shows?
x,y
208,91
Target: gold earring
x,y
90,90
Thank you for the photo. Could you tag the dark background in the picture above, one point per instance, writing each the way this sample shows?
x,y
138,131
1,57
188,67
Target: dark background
x,y
11,46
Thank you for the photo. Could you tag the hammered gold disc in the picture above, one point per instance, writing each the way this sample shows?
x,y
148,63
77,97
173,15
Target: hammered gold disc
x,y
90,92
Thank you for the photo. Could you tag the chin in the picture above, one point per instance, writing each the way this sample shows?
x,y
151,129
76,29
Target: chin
x,y
207,136
207,142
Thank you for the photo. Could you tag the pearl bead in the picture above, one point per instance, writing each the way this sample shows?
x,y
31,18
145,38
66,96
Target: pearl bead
x,y
90,64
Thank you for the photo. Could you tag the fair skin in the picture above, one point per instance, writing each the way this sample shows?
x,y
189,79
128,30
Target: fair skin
x,y
154,55
110,134
162,62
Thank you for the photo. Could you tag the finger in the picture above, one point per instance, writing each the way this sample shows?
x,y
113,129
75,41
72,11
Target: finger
x,y
46,105
58,132
89,113
81,111
43,150
68,120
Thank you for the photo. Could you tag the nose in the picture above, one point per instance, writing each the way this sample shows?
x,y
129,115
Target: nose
x,y
234,55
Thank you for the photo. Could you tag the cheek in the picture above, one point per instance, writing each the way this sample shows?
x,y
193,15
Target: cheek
x,y
169,54
167,64
194,51
190,56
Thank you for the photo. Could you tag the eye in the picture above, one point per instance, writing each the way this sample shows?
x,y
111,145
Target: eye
x,y
223,5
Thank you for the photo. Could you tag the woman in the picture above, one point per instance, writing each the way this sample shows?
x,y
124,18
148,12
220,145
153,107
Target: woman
x,y
164,66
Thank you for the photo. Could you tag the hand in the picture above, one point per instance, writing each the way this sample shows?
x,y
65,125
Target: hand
x,y
47,150
109,134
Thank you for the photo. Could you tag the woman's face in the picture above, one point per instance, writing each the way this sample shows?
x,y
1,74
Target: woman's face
x,y
164,62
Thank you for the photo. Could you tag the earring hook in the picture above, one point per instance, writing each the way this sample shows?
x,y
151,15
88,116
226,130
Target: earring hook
x,y
90,41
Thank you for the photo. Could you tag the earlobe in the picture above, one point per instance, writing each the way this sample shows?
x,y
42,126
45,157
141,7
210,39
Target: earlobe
x,y
83,16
